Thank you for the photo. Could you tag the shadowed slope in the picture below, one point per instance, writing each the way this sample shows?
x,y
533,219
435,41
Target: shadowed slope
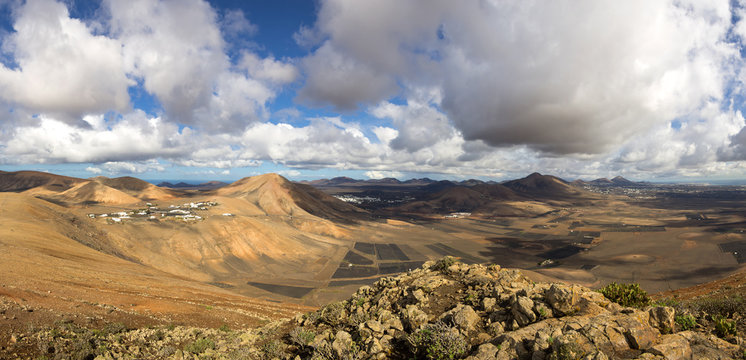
x,y
482,199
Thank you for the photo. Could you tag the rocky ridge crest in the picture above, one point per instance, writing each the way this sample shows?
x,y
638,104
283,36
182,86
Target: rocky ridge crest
x,y
450,310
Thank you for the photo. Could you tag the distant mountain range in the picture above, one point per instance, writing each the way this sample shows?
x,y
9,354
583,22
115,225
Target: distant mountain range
x,y
529,181
210,185
346,181
615,182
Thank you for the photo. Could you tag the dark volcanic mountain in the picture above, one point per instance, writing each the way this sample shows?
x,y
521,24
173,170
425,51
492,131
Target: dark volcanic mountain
x,y
210,185
337,181
601,182
422,181
620,181
538,186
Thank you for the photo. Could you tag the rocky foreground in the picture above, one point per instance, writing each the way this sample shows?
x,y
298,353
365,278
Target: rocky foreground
x,y
444,310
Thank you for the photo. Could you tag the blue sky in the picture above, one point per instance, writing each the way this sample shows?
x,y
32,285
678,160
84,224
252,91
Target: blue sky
x,y
195,90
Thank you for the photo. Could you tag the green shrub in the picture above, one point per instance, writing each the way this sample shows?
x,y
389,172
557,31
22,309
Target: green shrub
x,y
444,263
724,327
686,322
667,302
438,341
224,328
472,297
114,328
360,317
200,345
725,307
271,349
302,337
626,294
332,314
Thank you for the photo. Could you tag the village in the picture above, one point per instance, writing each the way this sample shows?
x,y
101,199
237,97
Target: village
x,y
186,212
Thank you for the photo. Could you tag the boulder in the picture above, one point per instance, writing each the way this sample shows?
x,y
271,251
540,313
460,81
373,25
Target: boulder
x,y
523,310
414,317
672,347
562,298
662,318
465,317
342,344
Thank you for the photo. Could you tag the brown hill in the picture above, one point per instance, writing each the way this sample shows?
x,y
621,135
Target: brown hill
x,y
135,187
482,199
93,192
272,194
540,186
24,180
58,263
496,191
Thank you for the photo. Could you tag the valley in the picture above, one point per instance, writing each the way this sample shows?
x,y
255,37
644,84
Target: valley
x,y
264,248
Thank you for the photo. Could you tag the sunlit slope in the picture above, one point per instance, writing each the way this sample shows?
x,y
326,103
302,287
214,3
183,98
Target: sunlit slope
x,y
272,194
57,260
23,180
94,193
140,189
264,226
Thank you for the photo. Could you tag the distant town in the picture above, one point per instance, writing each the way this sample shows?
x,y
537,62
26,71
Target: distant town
x,y
186,212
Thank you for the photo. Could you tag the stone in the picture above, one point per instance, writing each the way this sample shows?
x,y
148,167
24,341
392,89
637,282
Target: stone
x,y
616,337
596,356
419,295
542,310
562,298
465,318
485,352
374,325
571,345
662,318
488,303
342,344
375,347
640,337
538,355
414,317
523,310
495,328
672,347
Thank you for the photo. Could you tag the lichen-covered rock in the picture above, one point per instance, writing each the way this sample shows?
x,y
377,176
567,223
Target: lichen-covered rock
x,y
571,345
463,316
672,347
342,344
562,298
485,352
488,303
415,318
662,318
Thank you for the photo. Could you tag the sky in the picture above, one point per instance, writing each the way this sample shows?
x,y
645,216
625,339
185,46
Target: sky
x,y
493,90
